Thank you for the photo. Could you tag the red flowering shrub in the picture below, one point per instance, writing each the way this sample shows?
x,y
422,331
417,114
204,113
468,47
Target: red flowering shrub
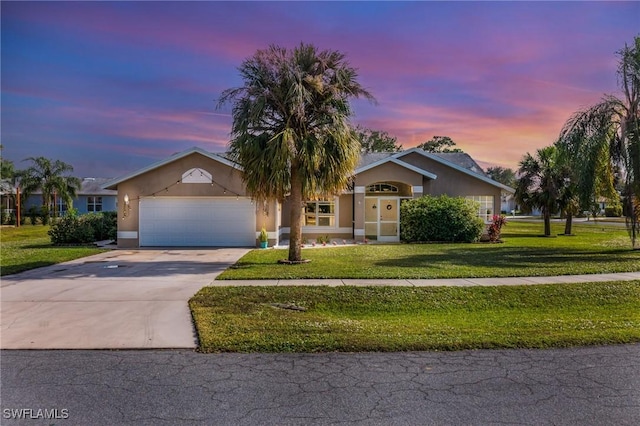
x,y
495,228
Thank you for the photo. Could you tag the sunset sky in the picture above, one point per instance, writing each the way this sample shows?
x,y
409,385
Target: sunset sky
x,y
110,87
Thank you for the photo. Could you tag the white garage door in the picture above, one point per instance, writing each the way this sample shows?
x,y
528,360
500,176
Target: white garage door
x,y
203,222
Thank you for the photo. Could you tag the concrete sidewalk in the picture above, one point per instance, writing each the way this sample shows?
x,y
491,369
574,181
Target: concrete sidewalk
x,y
456,282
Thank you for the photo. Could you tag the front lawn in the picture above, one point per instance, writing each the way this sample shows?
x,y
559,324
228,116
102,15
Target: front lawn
x,y
594,249
261,319
30,247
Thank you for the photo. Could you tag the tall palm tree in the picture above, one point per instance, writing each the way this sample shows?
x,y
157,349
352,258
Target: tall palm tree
x,y
607,135
541,184
51,177
291,132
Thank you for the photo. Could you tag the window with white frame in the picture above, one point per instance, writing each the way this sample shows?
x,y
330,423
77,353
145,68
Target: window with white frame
x,y
94,204
320,213
61,206
485,210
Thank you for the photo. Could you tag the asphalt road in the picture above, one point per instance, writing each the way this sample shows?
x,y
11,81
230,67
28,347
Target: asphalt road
x,y
578,386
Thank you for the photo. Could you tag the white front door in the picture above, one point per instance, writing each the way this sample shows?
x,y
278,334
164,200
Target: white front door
x,y
382,219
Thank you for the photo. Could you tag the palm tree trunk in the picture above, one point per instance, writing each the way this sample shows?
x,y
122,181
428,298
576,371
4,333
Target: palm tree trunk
x,y
295,237
568,224
547,223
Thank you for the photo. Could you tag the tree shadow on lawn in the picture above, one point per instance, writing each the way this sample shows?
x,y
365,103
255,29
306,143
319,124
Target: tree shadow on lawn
x,y
509,258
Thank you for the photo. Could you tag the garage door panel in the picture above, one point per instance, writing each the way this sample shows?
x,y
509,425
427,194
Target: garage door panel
x,y
188,222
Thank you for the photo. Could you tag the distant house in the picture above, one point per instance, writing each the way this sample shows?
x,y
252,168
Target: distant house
x,y
197,198
7,199
91,197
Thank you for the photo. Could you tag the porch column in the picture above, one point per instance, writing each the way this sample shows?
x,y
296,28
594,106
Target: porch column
x,y
358,213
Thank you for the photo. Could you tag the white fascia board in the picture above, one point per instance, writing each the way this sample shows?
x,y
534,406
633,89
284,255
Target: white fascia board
x,y
459,168
113,184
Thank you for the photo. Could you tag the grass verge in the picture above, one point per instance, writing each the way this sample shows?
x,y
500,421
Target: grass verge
x,y
30,247
593,249
247,319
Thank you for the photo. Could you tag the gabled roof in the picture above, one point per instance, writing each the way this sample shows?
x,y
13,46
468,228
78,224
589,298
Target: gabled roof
x,y
439,158
461,159
113,184
93,186
6,187
389,158
88,186
461,162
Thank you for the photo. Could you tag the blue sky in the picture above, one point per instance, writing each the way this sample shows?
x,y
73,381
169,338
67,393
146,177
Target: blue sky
x,y
113,86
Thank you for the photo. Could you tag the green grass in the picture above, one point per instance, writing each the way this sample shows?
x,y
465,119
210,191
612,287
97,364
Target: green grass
x,y
594,249
243,319
30,247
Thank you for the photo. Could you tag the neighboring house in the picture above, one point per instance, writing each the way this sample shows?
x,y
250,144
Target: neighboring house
x,y
508,205
7,198
91,197
197,198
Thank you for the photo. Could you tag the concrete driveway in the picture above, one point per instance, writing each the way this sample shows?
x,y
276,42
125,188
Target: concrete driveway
x,y
113,300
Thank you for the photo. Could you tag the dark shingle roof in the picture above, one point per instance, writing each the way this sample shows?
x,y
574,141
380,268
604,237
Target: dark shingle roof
x,y
93,186
372,157
459,158
462,159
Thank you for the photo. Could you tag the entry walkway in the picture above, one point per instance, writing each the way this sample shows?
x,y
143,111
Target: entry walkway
x,y
456,282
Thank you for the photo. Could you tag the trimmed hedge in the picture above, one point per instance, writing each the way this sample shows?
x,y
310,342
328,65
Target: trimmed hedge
x,y
74,229
442,218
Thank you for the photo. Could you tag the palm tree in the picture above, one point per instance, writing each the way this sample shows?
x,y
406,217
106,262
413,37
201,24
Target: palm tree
x,y
606,136
541,184
51,178
290,132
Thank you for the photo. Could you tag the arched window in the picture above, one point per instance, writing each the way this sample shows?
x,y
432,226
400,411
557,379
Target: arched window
x,y
382,188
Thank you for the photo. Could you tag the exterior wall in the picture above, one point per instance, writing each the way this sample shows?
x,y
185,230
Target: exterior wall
x,y
79,203
389,172
452,182
163,181
343,221
108,203
267,215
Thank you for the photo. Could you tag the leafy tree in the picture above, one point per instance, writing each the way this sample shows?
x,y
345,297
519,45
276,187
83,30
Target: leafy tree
x,y
376,141
605,137
49,176
291,132
541,184
439,144
503,175
7,171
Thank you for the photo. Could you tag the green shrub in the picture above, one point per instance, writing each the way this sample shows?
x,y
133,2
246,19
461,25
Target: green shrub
x,y
5,215
33,213
44,215
74,229
440,218
110,226
71,230
614,210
